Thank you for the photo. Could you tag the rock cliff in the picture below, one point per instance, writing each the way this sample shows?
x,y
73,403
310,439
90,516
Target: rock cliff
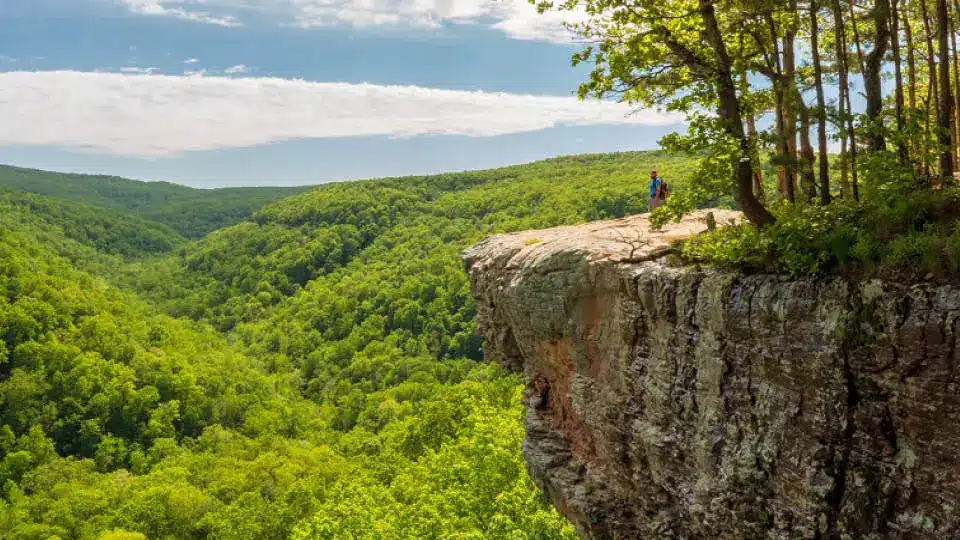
x,y
695,403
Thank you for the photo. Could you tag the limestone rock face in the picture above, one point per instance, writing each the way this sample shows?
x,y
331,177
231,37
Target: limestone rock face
x,y
696,403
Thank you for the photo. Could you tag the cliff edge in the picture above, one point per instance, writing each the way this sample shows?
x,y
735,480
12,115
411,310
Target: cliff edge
x,y
697,403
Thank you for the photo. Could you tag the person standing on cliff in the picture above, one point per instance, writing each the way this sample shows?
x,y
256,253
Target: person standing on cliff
x,y
659,192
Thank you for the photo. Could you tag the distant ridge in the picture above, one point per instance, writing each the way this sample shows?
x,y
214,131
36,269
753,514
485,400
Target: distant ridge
x,y
190,211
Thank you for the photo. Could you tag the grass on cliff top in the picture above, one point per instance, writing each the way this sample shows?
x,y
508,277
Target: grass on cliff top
x,y
907,235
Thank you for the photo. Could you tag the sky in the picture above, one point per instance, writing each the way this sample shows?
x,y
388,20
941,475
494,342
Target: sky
x,y
214,93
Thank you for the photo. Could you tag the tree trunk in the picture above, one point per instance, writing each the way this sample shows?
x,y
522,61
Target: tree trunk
x,y
823,162
791,95
844,179
755,156
856,38
911,58
785,173
854,173
729,111
932,90
807,177
871,77
911,79
927,130
946,99
902,153
786,182
751,123
846,116
956,83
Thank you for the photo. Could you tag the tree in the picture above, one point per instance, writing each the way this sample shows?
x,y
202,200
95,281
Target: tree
x,y
902,152
932,87
846,110
792,100
872,76
675,52
946,100
807,157
823,159
956,80
911,75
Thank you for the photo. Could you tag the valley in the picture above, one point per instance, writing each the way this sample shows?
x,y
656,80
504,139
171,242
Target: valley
x,y
312,371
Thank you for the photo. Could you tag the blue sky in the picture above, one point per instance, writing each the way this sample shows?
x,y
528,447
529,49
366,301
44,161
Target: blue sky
x,y
257,92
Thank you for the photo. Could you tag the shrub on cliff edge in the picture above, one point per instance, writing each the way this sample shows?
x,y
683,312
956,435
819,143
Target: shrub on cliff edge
x,y
906,235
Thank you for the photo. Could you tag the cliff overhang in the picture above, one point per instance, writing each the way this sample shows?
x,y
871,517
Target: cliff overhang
x,y
697,403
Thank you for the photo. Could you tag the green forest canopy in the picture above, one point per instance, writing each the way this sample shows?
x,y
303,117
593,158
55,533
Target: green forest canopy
x,y
191,212
251,364
312,372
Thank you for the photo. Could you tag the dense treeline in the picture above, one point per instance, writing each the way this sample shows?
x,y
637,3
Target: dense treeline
x,y
800,65
233,274
104,230
311,372
358,286
190,212
115,419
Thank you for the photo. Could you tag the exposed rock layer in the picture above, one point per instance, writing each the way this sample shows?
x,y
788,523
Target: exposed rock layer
x,y
692,403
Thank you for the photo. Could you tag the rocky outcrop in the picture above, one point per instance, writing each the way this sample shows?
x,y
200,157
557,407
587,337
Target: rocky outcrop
x,y
695,403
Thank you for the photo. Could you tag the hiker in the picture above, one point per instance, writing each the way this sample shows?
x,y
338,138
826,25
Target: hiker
x,y
543,388
659,192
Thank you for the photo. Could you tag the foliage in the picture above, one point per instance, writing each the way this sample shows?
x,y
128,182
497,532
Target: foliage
x,y
906,234
385,241
749,62
311,372
105,231
710,184
119,421
190,212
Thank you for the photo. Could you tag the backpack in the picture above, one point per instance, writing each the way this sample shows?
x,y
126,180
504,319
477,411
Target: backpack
x,y
664,189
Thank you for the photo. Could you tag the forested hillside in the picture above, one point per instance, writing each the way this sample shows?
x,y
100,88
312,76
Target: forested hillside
x,y
274,363
312,372
102,230
190,212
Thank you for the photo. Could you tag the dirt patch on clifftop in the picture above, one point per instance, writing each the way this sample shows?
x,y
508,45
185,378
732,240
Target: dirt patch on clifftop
x,y
626,239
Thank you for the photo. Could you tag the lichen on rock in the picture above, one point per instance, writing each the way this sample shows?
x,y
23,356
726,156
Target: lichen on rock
x,y
696,403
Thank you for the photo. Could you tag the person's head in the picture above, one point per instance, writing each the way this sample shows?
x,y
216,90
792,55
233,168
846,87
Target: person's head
x,y
653,173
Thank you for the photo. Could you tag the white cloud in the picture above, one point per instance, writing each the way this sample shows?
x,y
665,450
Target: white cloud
x,y
191,61
142,71
180,10
520,20
159,115
237,70
517,18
